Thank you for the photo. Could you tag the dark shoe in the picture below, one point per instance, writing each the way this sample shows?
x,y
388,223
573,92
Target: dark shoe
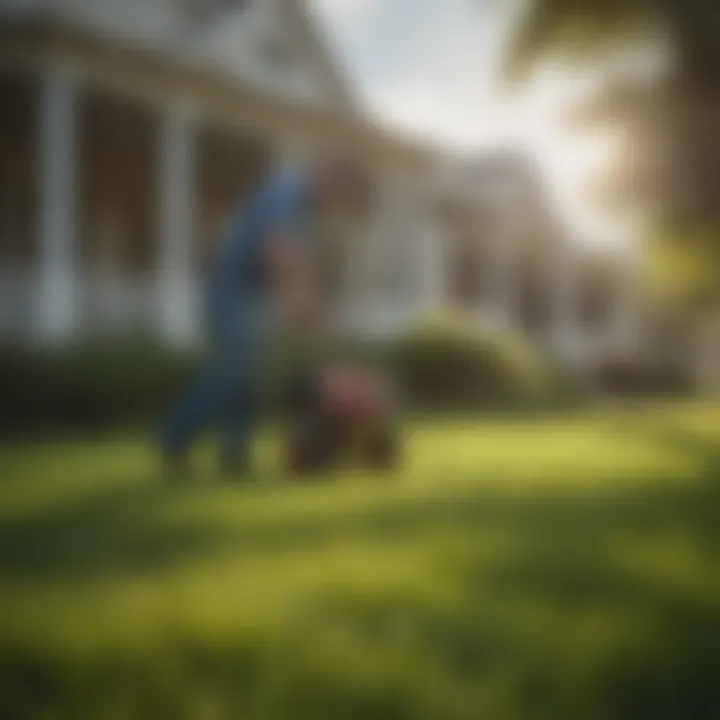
x,y
175,467
383,453
234,471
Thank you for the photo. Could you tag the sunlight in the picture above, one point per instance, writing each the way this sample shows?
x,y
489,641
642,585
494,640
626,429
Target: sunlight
x,y
570,162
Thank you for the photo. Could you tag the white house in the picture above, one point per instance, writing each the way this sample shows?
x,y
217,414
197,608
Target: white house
x,y
129,127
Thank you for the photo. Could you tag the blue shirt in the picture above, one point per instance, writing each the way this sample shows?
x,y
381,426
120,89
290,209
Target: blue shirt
x,y
280,205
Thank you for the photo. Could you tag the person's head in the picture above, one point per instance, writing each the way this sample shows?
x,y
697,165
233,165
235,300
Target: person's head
x,y
340,184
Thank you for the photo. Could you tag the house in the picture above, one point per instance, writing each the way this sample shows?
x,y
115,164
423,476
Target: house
x,y
510,260
130,127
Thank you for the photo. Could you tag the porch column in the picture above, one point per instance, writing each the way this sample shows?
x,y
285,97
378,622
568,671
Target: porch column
x,y
501,270
108,275
355,296
628,313
397,262
625,324
369,282
177,300
562,279
57,296
431,265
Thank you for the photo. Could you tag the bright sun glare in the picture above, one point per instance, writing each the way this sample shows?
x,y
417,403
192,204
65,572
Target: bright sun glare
x,y
433,70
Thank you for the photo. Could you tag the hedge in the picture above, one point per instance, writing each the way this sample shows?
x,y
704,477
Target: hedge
x,y
437,366
446,364
88,386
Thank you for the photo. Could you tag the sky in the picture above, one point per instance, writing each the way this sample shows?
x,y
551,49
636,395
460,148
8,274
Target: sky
x,y
431,68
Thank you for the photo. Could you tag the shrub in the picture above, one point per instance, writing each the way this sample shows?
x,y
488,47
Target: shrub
x,y
88,386
441,365
446,364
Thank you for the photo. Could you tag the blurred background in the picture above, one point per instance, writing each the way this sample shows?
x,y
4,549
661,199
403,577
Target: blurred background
x,y
542,172
539,268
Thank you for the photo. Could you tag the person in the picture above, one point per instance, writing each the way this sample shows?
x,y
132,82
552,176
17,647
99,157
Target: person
x,y
260,272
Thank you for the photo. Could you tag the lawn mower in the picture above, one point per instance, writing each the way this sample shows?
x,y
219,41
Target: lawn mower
x,y
336,415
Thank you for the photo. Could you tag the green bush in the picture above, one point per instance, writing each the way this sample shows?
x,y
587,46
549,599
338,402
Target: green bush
x,y
438,366
93,386
446,364
88,386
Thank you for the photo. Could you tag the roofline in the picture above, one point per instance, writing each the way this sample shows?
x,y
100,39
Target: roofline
x,y
34,42
343,86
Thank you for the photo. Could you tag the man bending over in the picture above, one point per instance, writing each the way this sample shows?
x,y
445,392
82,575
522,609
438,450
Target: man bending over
x,y
260,272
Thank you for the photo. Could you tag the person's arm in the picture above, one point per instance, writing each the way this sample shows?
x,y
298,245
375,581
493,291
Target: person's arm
x,y
291,278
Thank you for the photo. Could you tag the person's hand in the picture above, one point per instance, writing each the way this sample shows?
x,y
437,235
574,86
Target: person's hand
x,y
304,310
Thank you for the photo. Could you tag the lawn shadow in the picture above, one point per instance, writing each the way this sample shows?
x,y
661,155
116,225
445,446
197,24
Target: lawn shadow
x,y
111,531
664,664
559,563
117,528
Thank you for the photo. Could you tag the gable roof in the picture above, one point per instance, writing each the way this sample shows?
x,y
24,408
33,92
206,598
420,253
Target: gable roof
x,y
221,34
310,27
297,26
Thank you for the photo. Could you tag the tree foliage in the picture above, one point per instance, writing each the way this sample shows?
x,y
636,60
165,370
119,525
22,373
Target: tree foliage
x,y
683,270
671,162
577,27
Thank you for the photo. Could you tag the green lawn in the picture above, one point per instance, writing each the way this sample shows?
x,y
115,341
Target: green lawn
x,y
541,569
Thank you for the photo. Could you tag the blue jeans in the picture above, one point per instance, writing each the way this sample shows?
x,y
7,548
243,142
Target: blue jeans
x,y
226,394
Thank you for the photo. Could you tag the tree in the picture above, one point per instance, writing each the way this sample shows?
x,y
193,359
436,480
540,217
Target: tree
x,y
673,154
